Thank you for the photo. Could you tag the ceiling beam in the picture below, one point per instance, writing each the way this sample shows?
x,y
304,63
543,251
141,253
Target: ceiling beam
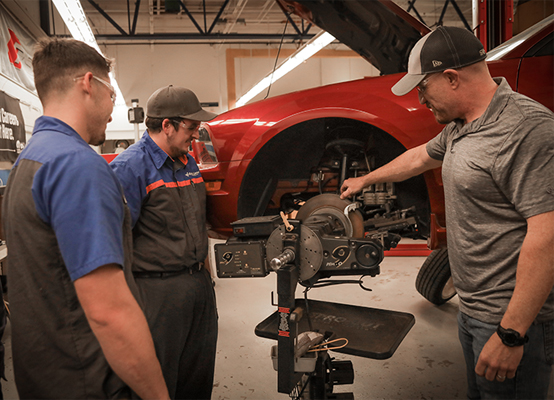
x,y
185,9
411,6
135,17
218,15
107,17
458,11
203,36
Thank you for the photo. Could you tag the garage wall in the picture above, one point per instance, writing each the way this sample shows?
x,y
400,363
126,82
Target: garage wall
x,y
141,69
314,72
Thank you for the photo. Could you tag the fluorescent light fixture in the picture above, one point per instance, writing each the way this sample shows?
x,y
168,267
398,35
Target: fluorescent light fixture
x,y
75,19
317,43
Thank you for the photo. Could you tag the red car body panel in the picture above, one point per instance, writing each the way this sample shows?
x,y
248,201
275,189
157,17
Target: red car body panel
x,y
237,138
238,135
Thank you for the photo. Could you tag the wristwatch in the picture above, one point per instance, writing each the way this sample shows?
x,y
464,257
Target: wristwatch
x,y
510,337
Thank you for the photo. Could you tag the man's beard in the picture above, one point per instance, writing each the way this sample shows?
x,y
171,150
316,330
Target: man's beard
x,y
175,152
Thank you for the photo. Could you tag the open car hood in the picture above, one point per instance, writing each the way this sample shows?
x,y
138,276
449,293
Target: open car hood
x,y
379,30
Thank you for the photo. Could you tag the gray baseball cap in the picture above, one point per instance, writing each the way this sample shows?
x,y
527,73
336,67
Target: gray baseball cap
x,y
171,101
447,47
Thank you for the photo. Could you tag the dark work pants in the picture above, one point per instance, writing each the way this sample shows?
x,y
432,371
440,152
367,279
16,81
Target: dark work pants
x,y
181,313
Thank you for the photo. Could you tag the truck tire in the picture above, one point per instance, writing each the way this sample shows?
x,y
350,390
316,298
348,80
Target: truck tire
x,y
434,281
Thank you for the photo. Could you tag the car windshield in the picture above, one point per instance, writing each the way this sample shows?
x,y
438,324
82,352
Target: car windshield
x,y
499,51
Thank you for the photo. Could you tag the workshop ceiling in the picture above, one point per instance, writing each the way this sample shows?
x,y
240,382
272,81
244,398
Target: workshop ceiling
x,y
230,21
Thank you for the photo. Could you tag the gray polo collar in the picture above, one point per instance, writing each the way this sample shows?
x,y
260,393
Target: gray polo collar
x,y
491,114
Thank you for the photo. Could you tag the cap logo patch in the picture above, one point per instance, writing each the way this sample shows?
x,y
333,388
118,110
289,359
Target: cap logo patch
x,y
436,63
482,52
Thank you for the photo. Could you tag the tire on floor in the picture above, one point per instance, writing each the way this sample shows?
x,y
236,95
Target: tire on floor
x,y
434,280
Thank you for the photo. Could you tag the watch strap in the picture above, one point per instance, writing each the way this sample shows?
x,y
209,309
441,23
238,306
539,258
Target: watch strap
x,y
511,337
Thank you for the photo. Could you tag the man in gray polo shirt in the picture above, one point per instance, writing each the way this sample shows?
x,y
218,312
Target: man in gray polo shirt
x,y
497,158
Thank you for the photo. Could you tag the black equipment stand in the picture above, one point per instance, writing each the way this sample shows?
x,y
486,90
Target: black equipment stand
x,y
371,333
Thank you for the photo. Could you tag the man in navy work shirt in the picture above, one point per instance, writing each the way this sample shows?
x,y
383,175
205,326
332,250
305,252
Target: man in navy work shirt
x,y
77,329
497,159
167,198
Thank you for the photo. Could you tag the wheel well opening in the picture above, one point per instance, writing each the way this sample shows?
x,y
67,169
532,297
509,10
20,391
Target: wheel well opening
x,y
305,160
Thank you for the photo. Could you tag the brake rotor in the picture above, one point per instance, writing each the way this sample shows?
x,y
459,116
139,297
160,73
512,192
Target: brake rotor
x,y
311,251
332,205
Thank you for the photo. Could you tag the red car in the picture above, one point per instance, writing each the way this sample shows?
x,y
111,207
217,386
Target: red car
x,y
292,152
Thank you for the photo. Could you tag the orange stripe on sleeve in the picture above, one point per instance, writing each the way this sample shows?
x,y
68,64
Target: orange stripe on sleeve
x,y
154,185
190,181
161,183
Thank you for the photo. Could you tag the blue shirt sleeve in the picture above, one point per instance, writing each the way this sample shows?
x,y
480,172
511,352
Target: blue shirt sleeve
x,y
79,196
134,186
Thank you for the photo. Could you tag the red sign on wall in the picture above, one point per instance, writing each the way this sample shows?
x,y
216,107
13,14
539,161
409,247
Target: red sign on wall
x,y
16,51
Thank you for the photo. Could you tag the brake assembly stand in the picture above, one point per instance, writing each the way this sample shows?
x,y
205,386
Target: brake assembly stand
x,y
319,383
307,252
287,277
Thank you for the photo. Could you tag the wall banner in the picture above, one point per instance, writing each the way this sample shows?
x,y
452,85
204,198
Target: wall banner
x,y
12,128
16,51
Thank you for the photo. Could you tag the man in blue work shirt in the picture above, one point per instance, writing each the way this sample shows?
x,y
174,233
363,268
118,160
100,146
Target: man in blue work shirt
x,y
167,198
77,330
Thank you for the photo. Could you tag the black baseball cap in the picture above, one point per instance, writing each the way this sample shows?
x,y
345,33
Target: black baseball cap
x,y
171,101
447,47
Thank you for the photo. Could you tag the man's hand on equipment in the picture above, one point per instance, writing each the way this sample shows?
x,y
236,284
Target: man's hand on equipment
x,y
351,186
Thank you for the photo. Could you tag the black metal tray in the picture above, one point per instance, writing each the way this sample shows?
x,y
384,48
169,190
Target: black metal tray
x,y
371,332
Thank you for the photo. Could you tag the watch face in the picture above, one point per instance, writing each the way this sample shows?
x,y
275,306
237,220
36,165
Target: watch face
x,y
510,339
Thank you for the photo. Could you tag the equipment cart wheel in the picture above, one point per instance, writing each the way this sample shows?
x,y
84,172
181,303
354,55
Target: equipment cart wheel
x,y
434,280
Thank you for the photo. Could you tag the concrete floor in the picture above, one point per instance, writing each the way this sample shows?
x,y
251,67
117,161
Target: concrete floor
x,y
427,365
